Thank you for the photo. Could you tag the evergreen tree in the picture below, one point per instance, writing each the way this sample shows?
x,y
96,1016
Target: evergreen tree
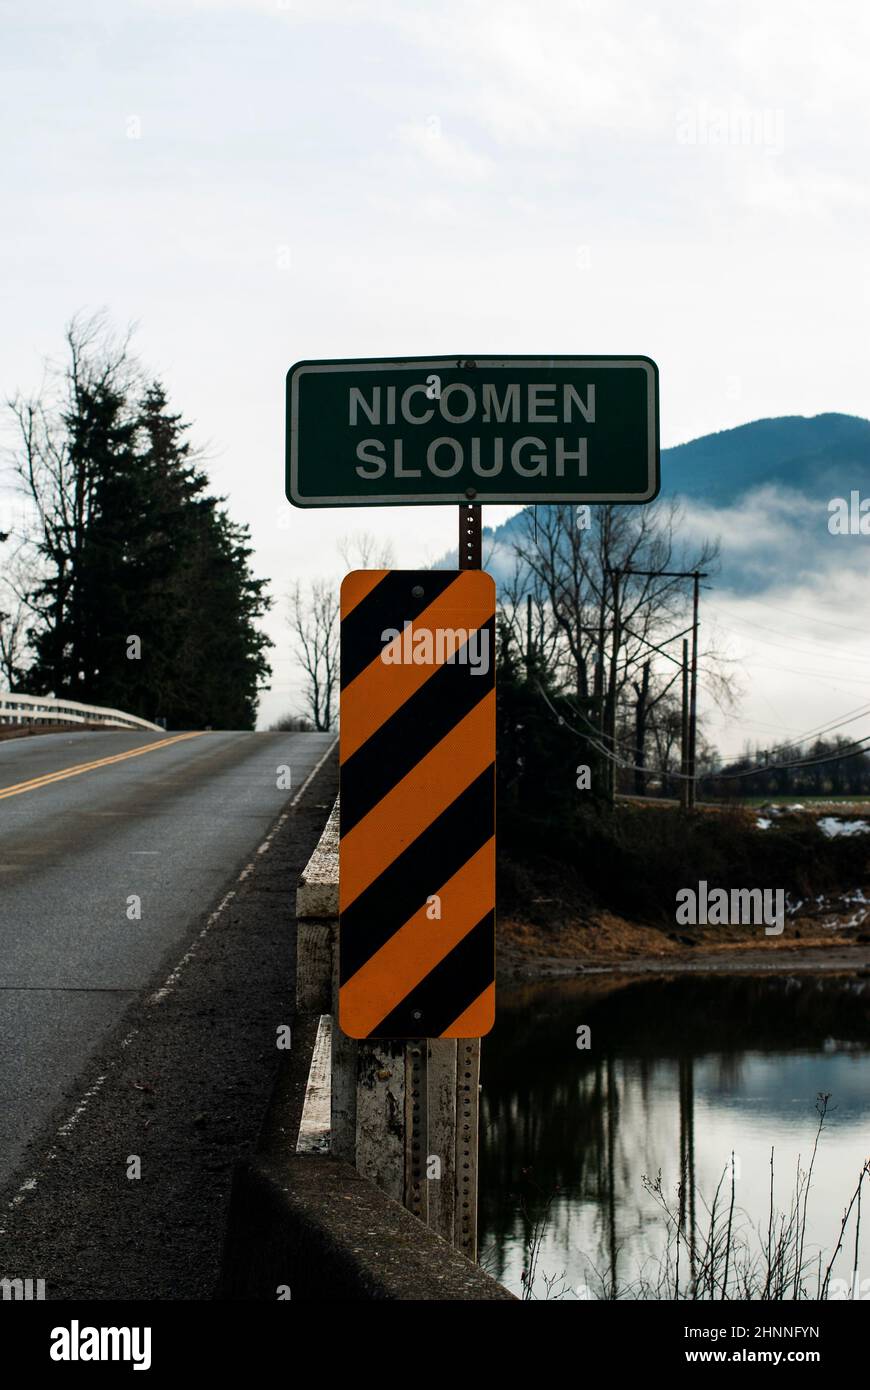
x,y
95,448
146,601
197,602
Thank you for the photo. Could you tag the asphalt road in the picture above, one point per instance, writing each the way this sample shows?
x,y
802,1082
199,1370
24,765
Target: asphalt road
x,y
108,860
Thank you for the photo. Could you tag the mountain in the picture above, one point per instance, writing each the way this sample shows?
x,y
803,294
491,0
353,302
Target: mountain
x,y
763,490
819,455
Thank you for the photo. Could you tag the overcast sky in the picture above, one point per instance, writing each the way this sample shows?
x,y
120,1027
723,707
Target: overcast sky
x,y
260,181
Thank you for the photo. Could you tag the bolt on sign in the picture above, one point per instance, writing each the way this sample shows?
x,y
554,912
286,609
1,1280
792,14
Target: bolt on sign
x,y
487,429
417,851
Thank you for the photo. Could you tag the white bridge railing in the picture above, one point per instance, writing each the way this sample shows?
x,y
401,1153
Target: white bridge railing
x,y
43,709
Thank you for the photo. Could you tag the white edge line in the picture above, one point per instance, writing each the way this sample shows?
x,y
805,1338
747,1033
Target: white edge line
x,y
30,1184
174,975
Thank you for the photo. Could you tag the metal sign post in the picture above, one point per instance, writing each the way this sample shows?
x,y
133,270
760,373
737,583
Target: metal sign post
x,y
466,1061
442,1080
470,543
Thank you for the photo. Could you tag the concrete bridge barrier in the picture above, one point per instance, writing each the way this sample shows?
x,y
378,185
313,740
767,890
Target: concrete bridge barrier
x,y
340,1200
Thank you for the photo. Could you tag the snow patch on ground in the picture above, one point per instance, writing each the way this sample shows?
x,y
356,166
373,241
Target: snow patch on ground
x,y
836,912
832,826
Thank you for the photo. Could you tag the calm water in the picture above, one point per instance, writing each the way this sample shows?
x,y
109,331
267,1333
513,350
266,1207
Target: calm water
x,y
681,1072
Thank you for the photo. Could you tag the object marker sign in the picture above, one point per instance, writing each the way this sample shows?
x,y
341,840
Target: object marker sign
x,y
417,808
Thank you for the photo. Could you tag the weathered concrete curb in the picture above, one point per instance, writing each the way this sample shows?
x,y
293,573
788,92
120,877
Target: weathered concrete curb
x,y
317,922
315,1226
317,893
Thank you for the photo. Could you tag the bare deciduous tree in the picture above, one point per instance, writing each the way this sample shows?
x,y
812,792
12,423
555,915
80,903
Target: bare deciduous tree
x,y
602,630
314,622
524,612
575,567
364,551
14,618
15,612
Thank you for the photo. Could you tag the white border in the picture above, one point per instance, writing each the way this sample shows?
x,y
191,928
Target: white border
x,y
422,366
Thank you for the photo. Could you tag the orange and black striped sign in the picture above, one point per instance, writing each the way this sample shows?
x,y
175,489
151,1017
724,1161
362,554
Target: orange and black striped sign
x,y
417,856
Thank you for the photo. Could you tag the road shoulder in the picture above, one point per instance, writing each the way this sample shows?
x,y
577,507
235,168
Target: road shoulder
x,y
177,1095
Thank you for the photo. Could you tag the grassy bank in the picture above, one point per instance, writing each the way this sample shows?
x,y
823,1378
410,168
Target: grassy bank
x,y
606,879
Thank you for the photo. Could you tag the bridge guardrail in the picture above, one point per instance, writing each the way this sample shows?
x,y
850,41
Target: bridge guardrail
x,y
36,709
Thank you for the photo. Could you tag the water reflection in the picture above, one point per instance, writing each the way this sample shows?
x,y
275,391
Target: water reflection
x,y
682,1071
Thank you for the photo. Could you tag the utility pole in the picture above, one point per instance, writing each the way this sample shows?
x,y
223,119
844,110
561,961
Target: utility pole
x,y
611,721
642,692
599,669
598,716
693,698
689,770
684,739
528,635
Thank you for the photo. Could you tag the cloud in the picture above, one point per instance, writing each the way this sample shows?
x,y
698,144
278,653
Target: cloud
x,y
448,154
775,536
307,125
767,518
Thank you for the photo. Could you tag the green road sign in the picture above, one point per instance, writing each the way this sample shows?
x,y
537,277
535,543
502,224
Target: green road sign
x,y
487,429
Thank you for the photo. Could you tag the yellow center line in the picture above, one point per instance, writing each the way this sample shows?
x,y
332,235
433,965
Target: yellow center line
x,y
50,777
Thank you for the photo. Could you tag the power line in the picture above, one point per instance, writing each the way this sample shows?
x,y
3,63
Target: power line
x,y
803,650
813,675
794,612
858,747
854,749
797,738
601,748
831,727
